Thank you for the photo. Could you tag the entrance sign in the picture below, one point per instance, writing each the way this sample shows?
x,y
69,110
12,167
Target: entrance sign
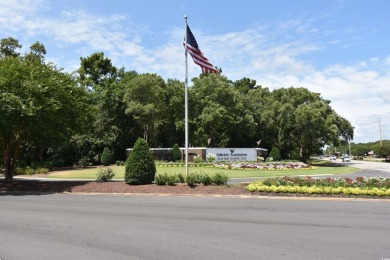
x,y
233,154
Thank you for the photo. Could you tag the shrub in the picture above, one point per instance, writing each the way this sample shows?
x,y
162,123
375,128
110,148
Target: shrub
x,y
104,175
275,154
175,153
166,179
220,178
105,159
140,166
210,157
41,171
172,179
84,162
192,179
120,163
19,171
28,171
375,186
161,179
205,179
198,159
181,177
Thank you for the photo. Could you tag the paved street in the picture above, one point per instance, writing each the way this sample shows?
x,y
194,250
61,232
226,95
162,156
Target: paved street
x,y
152,227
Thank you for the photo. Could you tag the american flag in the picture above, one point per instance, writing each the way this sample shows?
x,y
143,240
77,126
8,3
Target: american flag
x,y
197,55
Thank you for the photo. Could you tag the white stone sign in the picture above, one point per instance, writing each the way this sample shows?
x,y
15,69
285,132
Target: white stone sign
x,y
233,154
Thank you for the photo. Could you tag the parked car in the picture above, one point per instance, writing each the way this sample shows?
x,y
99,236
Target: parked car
x,y
332,157
346,159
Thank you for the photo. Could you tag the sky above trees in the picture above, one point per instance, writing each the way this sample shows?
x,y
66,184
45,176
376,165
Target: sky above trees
x,y
336,48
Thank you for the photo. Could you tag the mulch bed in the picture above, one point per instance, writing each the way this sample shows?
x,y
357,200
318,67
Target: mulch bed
x,y
116,187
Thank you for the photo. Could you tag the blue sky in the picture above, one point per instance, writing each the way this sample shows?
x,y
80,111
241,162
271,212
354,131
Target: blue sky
x,y
339,48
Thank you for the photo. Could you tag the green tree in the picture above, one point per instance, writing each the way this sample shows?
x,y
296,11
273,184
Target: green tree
x,y
303,122
244,85
140,167
106,123
106,157
96,69
217,111
144,99
39,105
9,47
171,129
382,149
37,52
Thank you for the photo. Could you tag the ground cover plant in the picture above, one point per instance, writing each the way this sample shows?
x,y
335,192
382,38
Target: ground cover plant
x,y
374,186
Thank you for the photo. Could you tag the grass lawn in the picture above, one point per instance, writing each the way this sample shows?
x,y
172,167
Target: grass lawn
x,y
90,173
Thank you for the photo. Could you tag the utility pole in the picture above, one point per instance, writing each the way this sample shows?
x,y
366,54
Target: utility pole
x,y
380,132
349,146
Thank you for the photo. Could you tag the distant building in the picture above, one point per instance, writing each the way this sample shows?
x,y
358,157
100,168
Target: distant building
x,y
164,154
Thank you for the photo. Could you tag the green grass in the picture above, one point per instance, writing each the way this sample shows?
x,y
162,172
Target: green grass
x,y
320,169
87,173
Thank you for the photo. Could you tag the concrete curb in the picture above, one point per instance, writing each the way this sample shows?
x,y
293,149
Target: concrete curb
x,y
259,197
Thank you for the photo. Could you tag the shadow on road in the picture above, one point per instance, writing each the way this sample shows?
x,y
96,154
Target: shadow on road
x,y
38,187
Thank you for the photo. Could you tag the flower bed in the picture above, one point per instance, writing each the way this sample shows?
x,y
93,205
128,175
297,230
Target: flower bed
x,y
242,165
376,186
263,166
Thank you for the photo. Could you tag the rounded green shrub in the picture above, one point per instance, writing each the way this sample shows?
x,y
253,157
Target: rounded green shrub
x,y
192,179
161,179
105,159
181,177
140,167
220,178
176,154
206,179
104,175
275,154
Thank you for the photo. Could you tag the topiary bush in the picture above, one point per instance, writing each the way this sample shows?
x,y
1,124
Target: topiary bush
x,y
176,154
275,154
140,167
105,159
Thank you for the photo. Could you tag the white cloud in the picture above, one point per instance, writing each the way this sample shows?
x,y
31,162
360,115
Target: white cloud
x,y
273,54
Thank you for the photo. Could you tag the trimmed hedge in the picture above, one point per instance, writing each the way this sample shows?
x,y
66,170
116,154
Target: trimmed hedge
x,y
106,158
192,179
175,153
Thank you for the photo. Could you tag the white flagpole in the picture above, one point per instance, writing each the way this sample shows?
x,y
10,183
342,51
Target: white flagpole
x,y
186,96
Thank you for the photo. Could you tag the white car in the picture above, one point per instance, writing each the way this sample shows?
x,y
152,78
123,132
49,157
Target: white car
x,y
332,157
346,159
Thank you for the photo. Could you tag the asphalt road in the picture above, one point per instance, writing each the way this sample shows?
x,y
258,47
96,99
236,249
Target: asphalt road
x,y
177,227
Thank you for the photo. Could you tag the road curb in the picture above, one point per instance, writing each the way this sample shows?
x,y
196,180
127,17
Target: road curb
x,y
260,197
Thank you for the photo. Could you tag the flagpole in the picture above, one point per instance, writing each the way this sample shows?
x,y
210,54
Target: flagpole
x,y
186,96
